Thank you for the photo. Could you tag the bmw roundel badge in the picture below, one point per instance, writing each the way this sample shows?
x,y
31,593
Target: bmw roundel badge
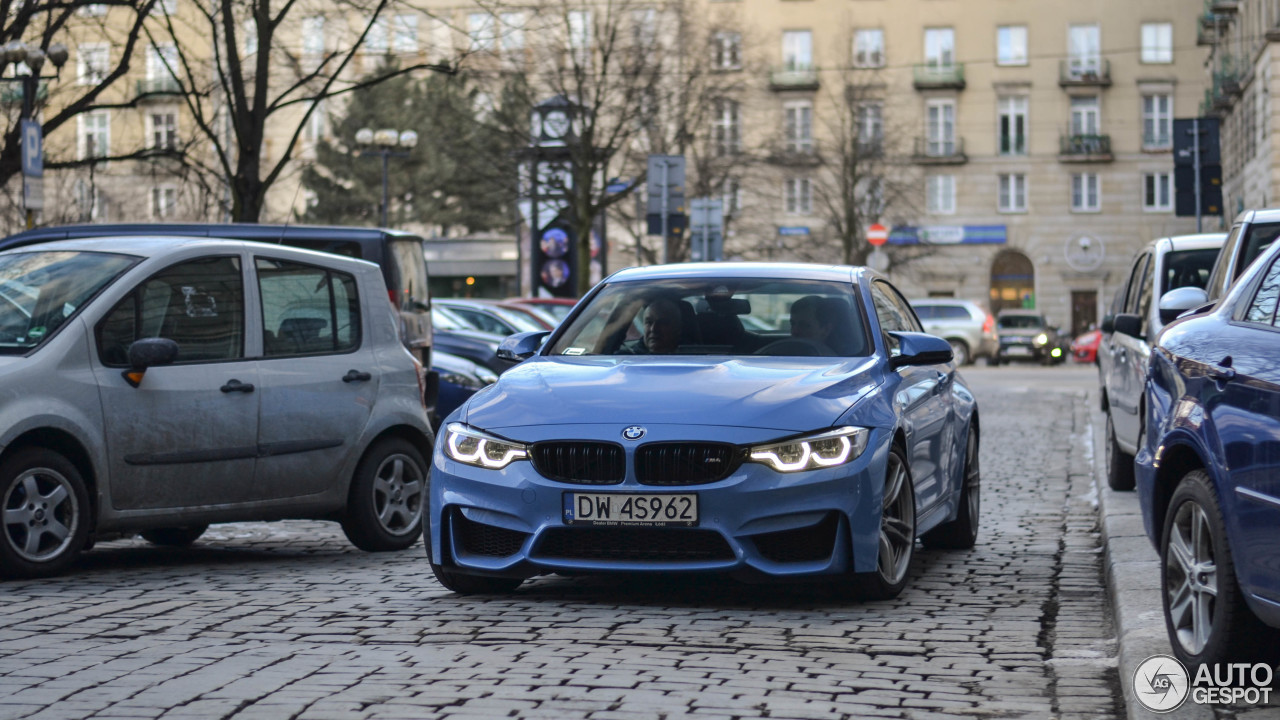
x,y
635,432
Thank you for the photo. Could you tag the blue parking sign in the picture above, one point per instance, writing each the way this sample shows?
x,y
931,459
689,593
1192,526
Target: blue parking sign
x,y
32,149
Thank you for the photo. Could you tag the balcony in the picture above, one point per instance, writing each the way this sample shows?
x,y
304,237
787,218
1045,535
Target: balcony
x,y
793,77
1085,148
939,152
931,76
1084,72
1207,28
153,87
11,92
1224,7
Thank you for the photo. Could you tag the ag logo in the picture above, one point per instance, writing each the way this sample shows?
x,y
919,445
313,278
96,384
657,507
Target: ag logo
x,y
1161,683
635,432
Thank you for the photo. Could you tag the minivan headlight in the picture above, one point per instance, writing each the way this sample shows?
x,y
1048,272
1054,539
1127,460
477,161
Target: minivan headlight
x,y
473,447
811,452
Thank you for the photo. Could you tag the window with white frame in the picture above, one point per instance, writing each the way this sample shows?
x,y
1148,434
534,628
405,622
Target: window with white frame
x,y
94,134
404,33
480,30
797,121
1084,115
317,123
580,37
376,41
871,124
164,7
1011,45
1085,196
644,29
512,40
313,35
725,127
731,196
89,200
1157,121
162,67
797,50
1157,42
939,47
164,201
1013,125
1013,193
726,51
940,128
1157,191
92,60
940,194
92,10
868,48
1084,50
250,37
871,200
162,129
799,196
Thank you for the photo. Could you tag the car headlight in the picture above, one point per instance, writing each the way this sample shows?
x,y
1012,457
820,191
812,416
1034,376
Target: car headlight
x,y
811,452
473,447
1041,339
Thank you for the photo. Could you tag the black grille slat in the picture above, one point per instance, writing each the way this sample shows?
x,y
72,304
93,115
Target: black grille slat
x,y
633,544
580,462
484,539
685,463
806,544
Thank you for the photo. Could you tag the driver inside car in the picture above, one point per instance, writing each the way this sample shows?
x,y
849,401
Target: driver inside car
x,y
662,327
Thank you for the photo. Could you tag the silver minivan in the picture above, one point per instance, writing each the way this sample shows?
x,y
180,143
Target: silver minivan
x,y
156,385
1162,272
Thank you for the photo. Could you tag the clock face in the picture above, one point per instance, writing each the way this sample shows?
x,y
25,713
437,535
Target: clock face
x,y
556,124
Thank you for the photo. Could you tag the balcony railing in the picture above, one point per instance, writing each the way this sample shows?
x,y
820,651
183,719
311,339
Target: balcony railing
x,y
159,86
794,77
930,76
1085,148
930,151
1084,72
11,92
1225,7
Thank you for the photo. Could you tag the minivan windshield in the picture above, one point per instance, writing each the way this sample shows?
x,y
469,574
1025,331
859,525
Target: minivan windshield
x,y
719,316
39,291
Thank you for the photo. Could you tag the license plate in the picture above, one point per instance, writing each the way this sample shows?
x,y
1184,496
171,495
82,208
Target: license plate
x,y
1017,350
606,509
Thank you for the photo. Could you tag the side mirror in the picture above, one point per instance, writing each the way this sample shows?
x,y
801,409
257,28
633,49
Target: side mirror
x,y
1128,324
146,353
919,349
522,346
1179,300
1108,325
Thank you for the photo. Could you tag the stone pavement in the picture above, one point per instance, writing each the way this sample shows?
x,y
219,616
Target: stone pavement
x,y
285,620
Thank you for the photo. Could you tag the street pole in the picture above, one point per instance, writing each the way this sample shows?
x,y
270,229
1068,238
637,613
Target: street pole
x,y
666,244
386,156
30,86
1195,154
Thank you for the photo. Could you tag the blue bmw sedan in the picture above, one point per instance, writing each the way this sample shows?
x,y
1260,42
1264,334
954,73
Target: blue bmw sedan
x,y
653,432
1208,472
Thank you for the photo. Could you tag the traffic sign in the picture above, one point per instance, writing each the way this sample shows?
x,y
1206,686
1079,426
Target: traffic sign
x,y
877,234
32,150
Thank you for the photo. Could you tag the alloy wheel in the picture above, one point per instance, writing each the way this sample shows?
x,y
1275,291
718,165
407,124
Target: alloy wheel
x,y
973,477
1191,583
897,523
40,514
397,494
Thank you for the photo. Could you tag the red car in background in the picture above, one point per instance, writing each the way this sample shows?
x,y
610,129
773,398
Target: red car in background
x,y
1084,349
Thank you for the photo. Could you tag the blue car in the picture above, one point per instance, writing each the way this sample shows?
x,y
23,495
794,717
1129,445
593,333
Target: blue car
x,y
653,432
1208,472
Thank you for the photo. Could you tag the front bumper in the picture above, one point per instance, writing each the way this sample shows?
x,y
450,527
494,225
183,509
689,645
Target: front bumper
x,y
756,521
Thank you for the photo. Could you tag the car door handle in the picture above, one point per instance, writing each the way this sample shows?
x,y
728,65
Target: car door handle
x,y
234,385
1223,372
356,376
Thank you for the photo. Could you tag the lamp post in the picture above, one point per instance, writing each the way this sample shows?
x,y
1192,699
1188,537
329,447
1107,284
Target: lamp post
x,y
33,56
384,143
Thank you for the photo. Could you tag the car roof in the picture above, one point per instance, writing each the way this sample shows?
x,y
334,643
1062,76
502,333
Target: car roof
x,y
242,231
782,271
941,301
1202,241
155,245
1265,215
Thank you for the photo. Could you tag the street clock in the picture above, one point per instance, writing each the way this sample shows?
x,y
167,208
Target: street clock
x,y
552,121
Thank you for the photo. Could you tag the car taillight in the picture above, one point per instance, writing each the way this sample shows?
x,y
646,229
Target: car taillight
x,y
393,297
989,325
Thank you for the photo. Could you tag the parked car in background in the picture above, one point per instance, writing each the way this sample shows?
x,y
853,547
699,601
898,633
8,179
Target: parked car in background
x,y
160,384
1084,349
698,446
969,328
559,308
489,316
1208,473
460,378
1165,279
1251,234
398,254
1027,335
538,315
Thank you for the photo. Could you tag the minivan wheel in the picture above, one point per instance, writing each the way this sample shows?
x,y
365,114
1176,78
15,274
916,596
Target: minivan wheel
x,y
897,534
1119,463
174,536
959,352
45,513
384,509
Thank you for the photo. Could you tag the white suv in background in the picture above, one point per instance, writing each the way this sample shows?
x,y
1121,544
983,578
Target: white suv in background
x,y
970,329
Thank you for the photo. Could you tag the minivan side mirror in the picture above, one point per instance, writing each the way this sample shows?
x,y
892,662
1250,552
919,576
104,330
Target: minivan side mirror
x,y
920,349
146,353
522,346
1179,300
1128,324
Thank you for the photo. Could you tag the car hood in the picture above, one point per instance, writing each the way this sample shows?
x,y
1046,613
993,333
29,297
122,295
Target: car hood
x,y
785,394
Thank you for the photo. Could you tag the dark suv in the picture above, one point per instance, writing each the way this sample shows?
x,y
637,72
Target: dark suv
x,y
398,254
1027,335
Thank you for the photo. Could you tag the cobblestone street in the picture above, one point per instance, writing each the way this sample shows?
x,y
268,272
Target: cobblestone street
x,y
287,621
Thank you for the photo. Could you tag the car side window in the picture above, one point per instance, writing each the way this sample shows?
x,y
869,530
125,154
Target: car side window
x,y
198,304
1262,309
1137,279
307,310
926,312
1145,293
1217,285
892,312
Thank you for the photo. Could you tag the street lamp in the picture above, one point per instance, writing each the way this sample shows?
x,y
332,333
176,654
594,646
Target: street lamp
x,y
384,143
17,52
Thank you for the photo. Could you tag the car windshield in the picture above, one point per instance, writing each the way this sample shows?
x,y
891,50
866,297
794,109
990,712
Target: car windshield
x,y
1188,268
718,316
1021,322
39,291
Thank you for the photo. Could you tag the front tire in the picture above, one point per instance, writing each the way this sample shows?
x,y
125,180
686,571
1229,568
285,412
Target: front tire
x,y
1119,463
897,534
962,533
1204,608
175,536
384,509
45,514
